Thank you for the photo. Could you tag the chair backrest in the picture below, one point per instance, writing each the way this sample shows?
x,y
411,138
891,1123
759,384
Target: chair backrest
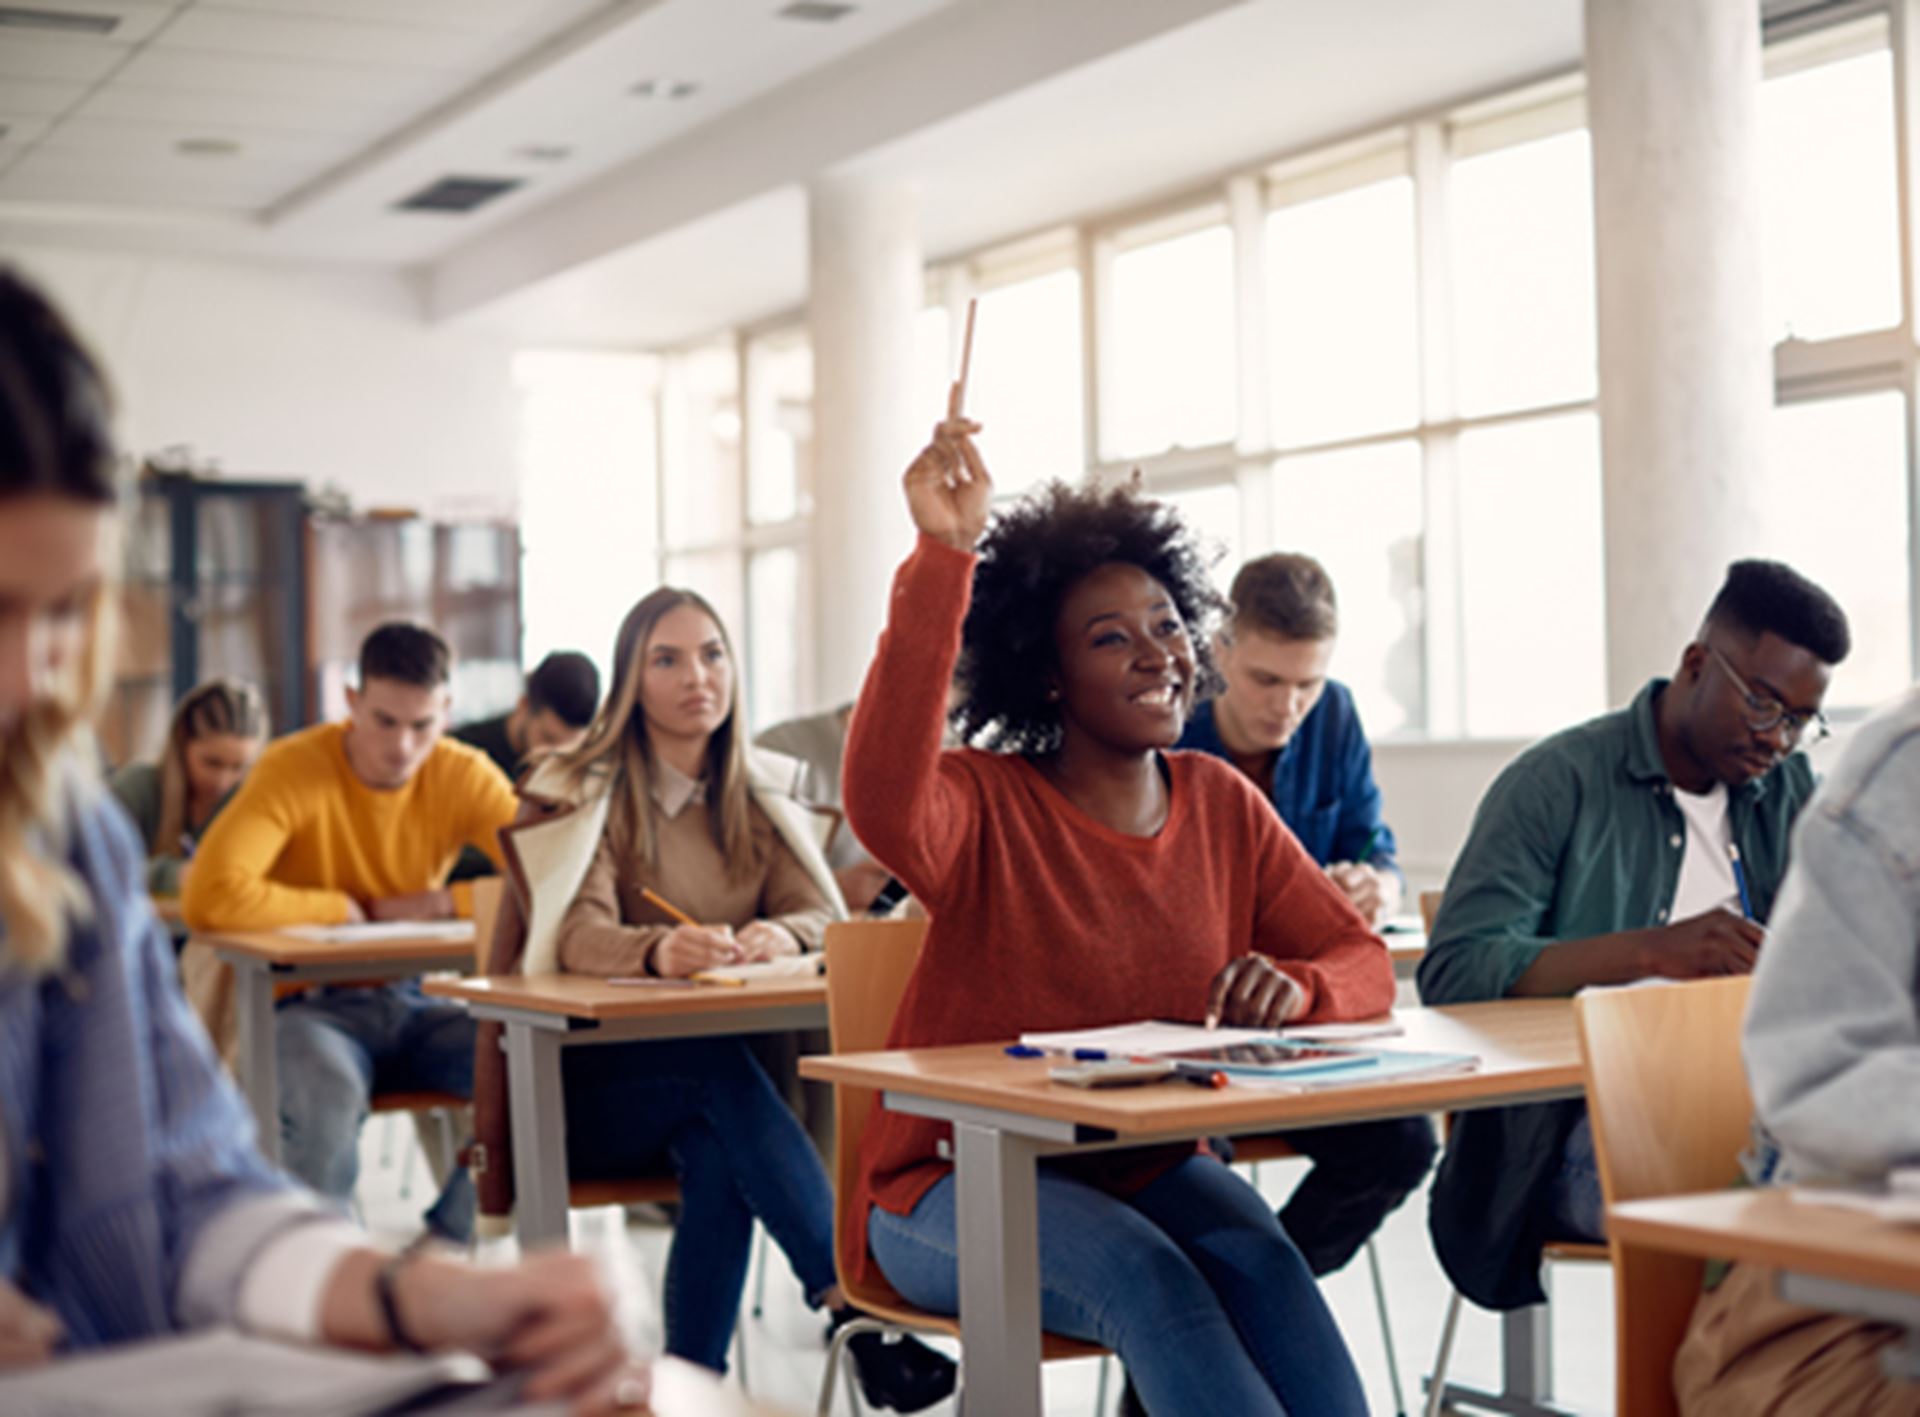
x,y
1429,908
486,913
1666,1085
868,964
1667,1092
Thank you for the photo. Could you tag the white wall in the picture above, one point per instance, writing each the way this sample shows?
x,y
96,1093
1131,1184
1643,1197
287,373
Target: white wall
x,y
316,373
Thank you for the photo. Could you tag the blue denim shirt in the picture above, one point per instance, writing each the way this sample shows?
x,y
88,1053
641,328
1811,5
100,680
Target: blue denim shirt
x,y
1832,1034
1322,784
134,1197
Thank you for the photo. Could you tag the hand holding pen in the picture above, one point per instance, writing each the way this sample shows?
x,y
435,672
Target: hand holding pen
x,y
690,946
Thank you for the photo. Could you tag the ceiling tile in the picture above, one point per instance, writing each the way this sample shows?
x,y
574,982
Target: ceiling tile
x,y
304,37
155,141
57,58
17,133
137,18
276,113
290,78
447,14
41,99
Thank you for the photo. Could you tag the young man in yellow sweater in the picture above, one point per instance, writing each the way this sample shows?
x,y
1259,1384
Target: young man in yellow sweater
x,y
355,821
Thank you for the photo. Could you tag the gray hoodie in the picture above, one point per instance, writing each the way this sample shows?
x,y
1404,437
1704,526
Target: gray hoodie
x,y
1833,1032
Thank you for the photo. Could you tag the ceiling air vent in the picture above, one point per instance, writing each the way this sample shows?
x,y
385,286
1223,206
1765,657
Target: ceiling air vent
x,y
457,194
62,21
820,12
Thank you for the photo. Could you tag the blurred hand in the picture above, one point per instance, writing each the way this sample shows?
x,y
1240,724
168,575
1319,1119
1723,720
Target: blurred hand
x,y
1718,942
1252,992
421,905
356,912
761,940
948,489
547,1316
688,949
28,1331
860,883
1366,888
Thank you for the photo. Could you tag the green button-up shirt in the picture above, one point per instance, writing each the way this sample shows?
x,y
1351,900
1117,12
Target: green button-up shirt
x,y
1580,836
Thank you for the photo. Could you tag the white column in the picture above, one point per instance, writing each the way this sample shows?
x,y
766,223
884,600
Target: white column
x,y
1673,94
865,288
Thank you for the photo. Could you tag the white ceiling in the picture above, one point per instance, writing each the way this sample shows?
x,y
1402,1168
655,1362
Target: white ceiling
x,y
668,218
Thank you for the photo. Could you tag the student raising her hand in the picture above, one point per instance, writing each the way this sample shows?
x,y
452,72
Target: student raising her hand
x,y
1078,873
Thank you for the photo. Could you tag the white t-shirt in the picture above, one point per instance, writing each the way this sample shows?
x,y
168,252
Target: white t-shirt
x,y
1706,870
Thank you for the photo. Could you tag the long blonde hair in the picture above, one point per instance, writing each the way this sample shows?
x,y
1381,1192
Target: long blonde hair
x,y
617,742
55,439
219,706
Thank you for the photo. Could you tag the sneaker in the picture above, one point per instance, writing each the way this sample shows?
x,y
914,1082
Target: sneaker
x,y
897,1370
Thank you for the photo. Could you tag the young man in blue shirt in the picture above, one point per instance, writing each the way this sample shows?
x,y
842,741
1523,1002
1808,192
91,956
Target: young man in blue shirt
x,y
1295,732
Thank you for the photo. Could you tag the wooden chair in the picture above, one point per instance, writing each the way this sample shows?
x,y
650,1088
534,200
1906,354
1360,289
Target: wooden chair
x,y
868,962
1667,1092
1429,908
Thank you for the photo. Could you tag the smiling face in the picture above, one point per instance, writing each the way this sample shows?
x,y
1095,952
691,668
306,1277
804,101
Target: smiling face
x,y
686,677
52,562
1272,685
1126,663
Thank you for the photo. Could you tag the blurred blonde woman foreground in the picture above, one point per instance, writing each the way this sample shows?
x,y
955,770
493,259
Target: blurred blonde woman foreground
x,y
132,1201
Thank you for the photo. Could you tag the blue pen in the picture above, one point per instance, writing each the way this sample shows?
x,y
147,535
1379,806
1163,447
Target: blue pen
x,y
1090,1055
1021,1050
1740,880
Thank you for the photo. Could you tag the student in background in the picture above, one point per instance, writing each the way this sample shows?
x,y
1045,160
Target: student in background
x,y
662,810
135,1204
355,821
1081,875
553,713
1296,734
1294,731
818,743
215,734
1833,1053
1606,854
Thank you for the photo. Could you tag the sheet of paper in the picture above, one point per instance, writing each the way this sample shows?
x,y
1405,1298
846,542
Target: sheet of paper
x,y
222,1372
1152,1039
371,932
785,967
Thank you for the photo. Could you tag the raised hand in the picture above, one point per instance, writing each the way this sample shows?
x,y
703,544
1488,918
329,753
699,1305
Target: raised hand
x,y
948,489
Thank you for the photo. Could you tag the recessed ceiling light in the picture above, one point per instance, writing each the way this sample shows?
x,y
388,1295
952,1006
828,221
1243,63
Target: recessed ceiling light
x,y
646,88
63,21
544,152
457,194
820,12
685,88
207,147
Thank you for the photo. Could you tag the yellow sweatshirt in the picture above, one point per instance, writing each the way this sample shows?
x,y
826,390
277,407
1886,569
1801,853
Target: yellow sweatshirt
x,y
304,834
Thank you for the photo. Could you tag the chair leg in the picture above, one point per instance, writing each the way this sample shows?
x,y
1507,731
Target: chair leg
x,y
760,1271
1386,1330
1437,1381
1100,1393
836,1351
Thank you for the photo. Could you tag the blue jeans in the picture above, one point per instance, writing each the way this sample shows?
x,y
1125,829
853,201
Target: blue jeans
x,y
1192,1282
705,1106
336,1048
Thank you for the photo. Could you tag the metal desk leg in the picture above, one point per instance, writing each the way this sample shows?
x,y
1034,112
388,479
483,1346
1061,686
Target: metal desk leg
x,y
998,1220
539,1134
258,1060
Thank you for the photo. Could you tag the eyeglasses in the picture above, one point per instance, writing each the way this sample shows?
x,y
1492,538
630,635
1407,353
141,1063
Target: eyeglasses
x,y
1765,713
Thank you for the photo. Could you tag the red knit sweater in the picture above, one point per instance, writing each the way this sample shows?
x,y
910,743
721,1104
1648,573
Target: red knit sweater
x,y
1044,918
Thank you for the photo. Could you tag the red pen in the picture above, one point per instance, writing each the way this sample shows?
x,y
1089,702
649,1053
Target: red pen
x,y
1215,1079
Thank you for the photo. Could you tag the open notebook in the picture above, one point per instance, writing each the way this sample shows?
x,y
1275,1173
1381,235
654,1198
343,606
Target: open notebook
x,y
373,932
1249,1055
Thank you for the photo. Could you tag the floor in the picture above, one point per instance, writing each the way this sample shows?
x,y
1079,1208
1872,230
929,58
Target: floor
x,y
786,1349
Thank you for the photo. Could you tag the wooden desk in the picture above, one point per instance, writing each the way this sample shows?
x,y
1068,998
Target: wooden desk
x,y
1843,1261
1006,1114
263,960
544,1013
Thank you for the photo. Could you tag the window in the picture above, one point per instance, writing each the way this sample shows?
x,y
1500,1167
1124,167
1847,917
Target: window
x,y
1342,314
1214,515
1174,373
1025,385
1835,509
934,369
1831,237
700,413
1358,513
589,438
780,426
775,634
715,577
1532,575
1523,274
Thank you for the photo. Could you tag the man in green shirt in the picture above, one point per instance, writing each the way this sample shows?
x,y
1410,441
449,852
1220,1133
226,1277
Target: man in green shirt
x,y
1647,842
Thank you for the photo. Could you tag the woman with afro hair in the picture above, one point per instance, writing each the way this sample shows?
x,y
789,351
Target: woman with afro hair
x,y
1079,873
